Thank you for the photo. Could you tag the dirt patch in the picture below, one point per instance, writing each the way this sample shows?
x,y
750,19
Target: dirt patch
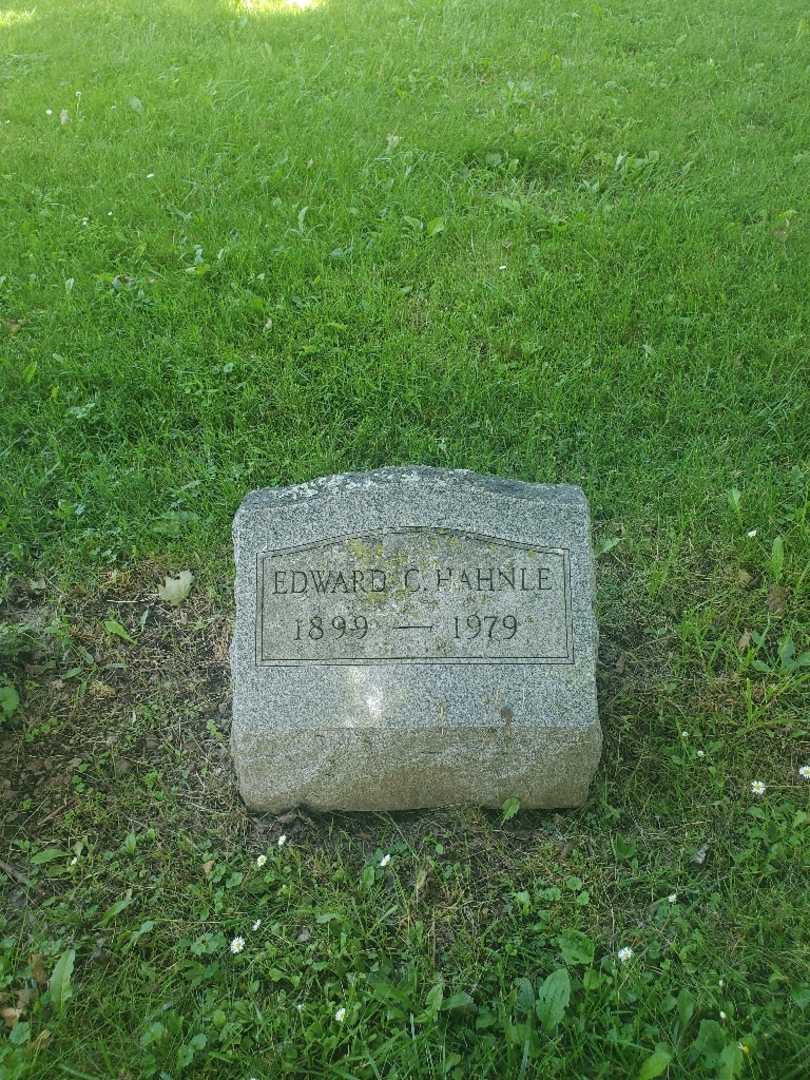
x,y
116,688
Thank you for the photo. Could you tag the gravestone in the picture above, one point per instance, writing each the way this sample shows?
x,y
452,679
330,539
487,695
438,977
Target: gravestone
x,y
414,637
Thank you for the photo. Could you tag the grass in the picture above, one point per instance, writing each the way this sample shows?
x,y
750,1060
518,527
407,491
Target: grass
x,y
562,242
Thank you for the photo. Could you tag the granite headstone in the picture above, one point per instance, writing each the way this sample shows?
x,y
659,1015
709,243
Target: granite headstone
x,y
414,637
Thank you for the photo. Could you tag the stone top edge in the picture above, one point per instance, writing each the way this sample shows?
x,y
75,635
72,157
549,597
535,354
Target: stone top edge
x,y
403,476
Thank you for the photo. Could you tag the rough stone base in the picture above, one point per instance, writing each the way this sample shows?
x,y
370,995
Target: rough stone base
x,y
404,770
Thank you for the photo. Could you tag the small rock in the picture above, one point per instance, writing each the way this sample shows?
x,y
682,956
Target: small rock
x,y
699,858
777,599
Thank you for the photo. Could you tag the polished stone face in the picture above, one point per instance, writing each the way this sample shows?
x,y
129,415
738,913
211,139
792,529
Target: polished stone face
x,y
414,637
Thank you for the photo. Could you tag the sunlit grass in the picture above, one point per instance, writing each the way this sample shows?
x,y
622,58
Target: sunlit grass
x,y
266,7
15,16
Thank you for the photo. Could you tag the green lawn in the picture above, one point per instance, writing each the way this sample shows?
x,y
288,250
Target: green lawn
x,y
247,244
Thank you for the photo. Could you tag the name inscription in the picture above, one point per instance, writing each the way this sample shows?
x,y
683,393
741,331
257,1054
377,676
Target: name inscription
x,y
414,595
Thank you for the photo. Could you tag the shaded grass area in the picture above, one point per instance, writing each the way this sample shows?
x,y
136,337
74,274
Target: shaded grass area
x,y
553,241
126,841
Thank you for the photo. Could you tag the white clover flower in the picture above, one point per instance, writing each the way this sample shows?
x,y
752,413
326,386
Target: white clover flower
x,y
282,840
385,860
625,954
758,787
672,898
722,983
262,859
804,772
256,925
49,112
751,534
684,734
237,945
701,753
723,1015
340,1015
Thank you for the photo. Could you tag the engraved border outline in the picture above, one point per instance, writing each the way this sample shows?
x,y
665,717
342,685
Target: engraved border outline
x,y
543,661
